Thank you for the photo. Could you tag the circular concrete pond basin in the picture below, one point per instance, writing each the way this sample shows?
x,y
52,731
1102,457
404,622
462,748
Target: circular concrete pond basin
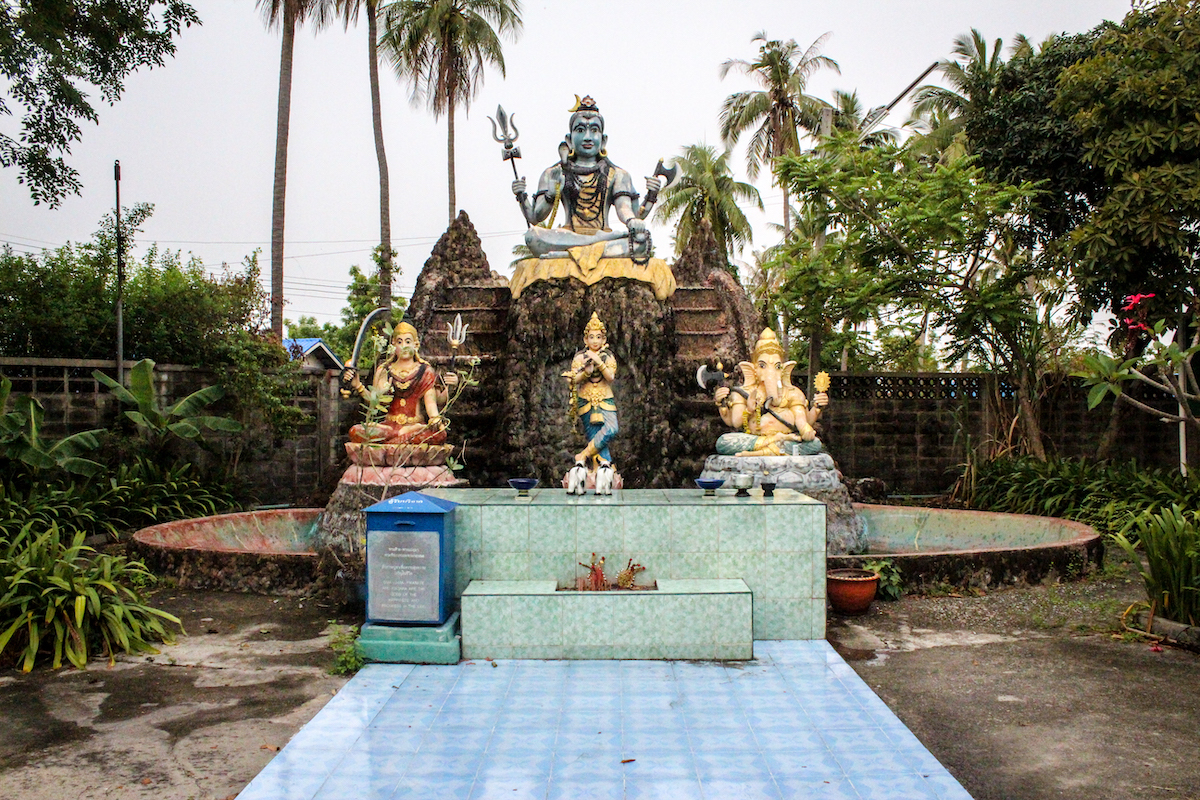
x,y
936,547
266,552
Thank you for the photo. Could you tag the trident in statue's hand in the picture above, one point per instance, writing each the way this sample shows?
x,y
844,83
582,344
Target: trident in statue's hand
x,y
456,334
511,151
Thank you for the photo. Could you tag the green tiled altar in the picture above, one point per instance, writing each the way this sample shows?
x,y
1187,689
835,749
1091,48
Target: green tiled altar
x,y
775,545
681,619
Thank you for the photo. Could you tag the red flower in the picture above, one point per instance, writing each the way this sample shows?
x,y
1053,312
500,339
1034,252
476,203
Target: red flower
x,y
1134,325
1132,301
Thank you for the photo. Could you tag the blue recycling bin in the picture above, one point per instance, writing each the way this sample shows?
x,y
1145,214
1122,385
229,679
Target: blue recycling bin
x,y
410,560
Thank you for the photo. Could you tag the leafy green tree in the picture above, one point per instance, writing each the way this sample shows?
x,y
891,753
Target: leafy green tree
x,y
707,191
363,297
1020,136
442,47
778,111
1136,103
51,53
922,238
286,15
972,75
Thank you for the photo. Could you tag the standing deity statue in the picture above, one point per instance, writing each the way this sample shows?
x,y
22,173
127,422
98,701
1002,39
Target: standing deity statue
x,y
587,185
774,416
412,415
590,378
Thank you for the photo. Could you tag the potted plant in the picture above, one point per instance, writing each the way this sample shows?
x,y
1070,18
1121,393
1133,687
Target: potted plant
x,y
850,591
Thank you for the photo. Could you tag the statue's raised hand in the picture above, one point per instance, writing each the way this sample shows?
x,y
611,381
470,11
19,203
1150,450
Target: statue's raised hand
x,y
721,393
350,376
518,187
653,185
820,400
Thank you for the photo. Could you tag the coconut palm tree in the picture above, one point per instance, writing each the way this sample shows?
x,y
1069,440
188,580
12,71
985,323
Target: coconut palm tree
x,y
442,47
349,10
707,190
780,109
972,75
285,15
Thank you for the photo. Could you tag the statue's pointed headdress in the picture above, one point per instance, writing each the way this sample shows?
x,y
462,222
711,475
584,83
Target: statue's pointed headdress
x,y
594,324
586,104
768,342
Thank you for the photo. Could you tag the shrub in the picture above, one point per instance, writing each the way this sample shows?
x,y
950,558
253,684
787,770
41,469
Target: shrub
x,y
1104,495
61,598
1171,541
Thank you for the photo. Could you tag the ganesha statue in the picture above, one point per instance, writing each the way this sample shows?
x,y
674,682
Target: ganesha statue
x,y
774,416
775,441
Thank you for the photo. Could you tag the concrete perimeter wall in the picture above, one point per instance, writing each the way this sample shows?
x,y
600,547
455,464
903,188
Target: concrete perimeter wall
x,y
911,430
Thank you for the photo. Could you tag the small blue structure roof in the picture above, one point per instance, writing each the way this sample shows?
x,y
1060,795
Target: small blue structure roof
x,y
414,503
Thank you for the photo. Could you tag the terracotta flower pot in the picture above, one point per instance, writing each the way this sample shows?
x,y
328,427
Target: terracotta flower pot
x,y
851,591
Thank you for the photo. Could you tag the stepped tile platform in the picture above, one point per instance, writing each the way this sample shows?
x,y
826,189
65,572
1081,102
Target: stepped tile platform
x,y
776,545
699,619
795,723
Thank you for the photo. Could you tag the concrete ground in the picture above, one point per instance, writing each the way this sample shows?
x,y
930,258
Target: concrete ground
x,y
1023,694
1034,693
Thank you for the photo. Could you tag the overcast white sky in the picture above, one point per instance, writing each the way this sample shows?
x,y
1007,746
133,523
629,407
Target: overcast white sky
x,y
196,137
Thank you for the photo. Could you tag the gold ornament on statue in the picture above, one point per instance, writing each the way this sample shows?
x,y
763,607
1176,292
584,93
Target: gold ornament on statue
x,y
821,381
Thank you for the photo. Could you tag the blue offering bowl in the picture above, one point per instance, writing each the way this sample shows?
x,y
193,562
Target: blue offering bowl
x,y
522,485
710,485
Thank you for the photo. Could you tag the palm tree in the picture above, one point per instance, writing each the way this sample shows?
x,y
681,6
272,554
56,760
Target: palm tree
x,y
848,116
349,10
972,76
286,15
780,109
442,47
707,191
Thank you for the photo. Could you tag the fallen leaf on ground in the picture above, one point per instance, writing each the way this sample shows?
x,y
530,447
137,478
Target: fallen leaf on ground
x,y
146,781
628,760
270,747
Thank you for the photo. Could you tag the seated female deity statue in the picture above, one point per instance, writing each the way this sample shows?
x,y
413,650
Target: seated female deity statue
x,y
774,416
587,184
412,416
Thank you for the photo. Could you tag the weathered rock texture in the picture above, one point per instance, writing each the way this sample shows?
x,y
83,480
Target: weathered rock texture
x,y
545,331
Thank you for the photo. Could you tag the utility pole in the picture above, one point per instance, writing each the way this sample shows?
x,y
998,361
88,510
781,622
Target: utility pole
x,y
120,279
814,334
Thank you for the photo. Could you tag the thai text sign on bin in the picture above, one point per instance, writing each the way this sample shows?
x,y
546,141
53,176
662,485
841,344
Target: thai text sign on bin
x,y
410,560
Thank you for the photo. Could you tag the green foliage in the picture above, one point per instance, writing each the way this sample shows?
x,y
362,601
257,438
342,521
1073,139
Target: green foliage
x,y
59,598
707,191
363,297
1101,494
134,496
1136,103
348,653
21,438
51,54
157,421
1020,136
780,109
1170,540
891,580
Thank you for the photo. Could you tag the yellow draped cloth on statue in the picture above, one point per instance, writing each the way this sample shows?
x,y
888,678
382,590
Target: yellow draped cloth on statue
x,y
586,263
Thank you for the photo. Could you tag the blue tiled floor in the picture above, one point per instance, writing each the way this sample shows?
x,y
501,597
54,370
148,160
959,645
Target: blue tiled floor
x,y
795,723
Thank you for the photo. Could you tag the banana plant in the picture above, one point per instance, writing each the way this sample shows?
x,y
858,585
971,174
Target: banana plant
x,y
21,438
182,419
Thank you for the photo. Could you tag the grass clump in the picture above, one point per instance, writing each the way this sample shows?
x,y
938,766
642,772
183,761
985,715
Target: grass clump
x,y
347,652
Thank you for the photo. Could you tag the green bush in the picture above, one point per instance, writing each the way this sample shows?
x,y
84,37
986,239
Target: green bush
x,y
1171,542
62,599
1104,495
136,495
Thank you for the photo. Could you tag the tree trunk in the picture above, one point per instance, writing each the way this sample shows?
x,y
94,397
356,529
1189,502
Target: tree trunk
x,y
385,204
814,358
1028,415
450,158
282,117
